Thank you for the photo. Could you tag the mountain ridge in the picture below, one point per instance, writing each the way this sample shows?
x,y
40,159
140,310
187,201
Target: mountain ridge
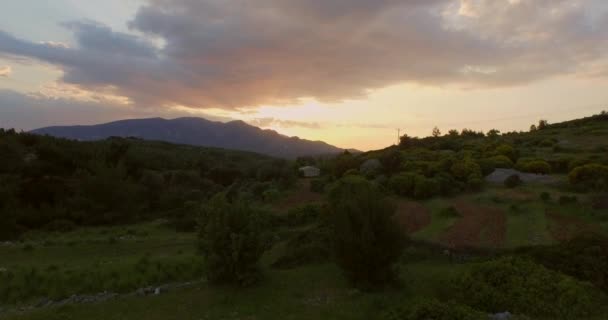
x,y
236,135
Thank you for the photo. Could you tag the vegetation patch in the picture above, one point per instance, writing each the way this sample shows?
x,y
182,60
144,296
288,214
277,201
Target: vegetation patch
x,y
412,216
480,226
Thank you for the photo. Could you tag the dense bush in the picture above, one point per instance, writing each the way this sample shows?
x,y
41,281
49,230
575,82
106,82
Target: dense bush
x,y
523,287
59,184
590,176
426,188
310,246
534,166
366,240
567,200
507,151
318,185
465,168
434,310
513,181
545,196
232,239
415,185
403,184
584,257
501,161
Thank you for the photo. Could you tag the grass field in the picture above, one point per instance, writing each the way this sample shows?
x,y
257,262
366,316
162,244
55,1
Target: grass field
x,y
112,257
317,291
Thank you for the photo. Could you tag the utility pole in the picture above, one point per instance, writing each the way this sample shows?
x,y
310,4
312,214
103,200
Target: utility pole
x,y
398,136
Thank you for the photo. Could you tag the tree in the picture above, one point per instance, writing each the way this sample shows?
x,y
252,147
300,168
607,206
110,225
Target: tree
x,y
493,133
453,133
542,124
366,240
232,240
436,132
533,128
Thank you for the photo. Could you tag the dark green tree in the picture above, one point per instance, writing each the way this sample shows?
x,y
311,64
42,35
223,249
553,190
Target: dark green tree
x,y
366,240
232,240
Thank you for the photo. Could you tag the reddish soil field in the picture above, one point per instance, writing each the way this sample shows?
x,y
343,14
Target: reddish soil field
x,y
518,195
564,228
300,196
479,226
412,216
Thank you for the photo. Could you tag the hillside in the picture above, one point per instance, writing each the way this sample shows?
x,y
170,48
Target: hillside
x,y
235,135
118,229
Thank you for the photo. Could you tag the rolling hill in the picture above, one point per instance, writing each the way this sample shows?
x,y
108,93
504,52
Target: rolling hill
x,y
236,135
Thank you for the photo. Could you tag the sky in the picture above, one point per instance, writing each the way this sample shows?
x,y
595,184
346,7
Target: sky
x,y
348,72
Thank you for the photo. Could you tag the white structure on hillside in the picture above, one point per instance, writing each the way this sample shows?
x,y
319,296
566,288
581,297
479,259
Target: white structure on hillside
x,y
310,172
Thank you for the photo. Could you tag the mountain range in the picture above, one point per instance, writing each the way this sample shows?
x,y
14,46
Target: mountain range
x,y
236,135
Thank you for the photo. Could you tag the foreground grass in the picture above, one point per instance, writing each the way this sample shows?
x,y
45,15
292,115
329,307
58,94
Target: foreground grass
x,y
311,292
89,261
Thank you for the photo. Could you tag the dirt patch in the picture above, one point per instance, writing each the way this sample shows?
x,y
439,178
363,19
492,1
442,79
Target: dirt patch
x,y
300,196
518,195
479,226
412,216
565,228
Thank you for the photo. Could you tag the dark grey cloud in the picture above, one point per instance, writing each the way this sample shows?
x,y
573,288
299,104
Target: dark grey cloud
x,y
238,53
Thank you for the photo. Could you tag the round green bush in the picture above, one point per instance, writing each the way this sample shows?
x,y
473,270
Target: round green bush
x,y
513,181
502,161
590,176
524,287
403,184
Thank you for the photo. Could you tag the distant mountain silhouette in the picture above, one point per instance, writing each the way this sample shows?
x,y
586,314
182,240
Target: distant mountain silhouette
x,y
236,135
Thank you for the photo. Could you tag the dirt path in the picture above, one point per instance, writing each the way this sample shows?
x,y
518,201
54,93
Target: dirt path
x,y
412,216
300,196
479,226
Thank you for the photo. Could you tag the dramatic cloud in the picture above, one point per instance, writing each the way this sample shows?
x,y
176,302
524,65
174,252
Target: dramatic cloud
x,y
5,71
273,122
234,54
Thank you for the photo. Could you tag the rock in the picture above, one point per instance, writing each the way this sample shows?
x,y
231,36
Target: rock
x,y
157,291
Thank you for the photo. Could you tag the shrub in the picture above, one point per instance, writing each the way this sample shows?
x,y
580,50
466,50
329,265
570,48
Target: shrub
x,y
232,241
310,246
303,215
513,181
318,185
465,168
507,151
475,183
501,161
426,188
563,200
538,167
366,241
524,287
435,310
534,166
403,184
590,176
584,257
487,166
545,196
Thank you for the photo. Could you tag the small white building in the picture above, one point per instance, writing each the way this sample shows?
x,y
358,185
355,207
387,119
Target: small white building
x,y
310,171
